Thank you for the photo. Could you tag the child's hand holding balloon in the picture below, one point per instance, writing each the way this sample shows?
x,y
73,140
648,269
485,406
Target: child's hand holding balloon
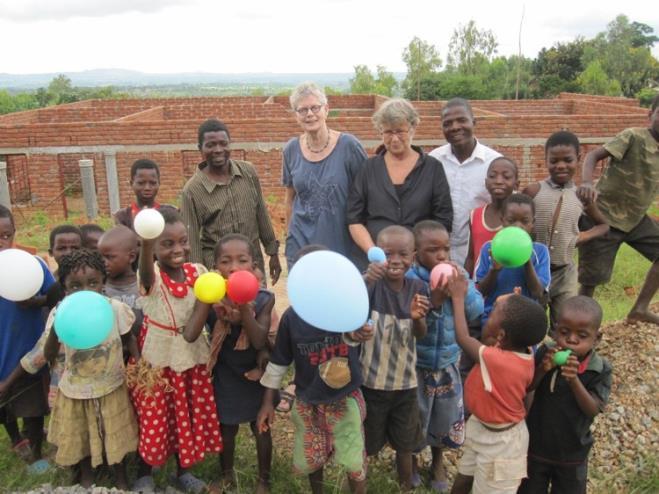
x,y
570,370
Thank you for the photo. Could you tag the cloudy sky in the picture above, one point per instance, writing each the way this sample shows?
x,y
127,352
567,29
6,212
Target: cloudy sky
x,y
277,36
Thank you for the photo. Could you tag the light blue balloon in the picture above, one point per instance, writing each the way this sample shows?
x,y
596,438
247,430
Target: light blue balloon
x,y
328,292
376,254
83,320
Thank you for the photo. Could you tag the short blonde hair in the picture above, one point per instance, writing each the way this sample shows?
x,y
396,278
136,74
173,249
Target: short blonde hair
x,y
307,89
395,111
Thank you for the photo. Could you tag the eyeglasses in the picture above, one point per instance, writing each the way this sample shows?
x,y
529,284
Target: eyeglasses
x,y
400,133
305,109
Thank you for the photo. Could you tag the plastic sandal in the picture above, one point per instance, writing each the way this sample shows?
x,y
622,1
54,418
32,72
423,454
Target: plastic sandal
x,y
189,483
415,480
286,399
144,484
439,486
39,467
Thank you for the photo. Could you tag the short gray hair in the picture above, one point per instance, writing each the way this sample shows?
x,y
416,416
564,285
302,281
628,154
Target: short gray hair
x,y
307,89
395,111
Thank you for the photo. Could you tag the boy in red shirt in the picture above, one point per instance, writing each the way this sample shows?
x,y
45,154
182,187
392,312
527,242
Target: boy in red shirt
x,y
497,439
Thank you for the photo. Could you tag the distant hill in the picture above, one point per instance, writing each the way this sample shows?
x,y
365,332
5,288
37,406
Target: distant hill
x,y
131,78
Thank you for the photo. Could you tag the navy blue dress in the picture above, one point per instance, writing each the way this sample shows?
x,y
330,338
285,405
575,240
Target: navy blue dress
x,y
238,399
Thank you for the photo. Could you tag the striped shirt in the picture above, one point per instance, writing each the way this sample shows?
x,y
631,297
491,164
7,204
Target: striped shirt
x,y
562,240
211,210
389,358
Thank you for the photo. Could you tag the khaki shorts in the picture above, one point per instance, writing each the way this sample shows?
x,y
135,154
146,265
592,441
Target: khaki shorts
x,y
496,460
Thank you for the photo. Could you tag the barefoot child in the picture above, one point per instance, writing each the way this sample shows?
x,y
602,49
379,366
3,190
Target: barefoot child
x,y
494,458
493,280
171,388
566,401
22,395
329,410
398,309
240,332
92,420
484,222
440,386
626,191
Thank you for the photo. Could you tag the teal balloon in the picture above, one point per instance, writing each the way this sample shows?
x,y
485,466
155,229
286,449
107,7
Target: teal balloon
x,y
512,247
83,320
328,292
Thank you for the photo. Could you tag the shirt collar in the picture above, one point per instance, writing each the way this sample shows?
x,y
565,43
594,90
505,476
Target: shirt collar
x,y
209,184
478,152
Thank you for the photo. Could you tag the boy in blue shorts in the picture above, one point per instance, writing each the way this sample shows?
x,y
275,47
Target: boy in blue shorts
x,y
566,401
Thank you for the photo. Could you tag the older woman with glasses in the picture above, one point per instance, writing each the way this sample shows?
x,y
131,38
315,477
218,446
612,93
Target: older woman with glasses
x,y
318,169
401,184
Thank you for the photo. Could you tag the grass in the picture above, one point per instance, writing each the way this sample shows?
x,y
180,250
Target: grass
x,y
616,298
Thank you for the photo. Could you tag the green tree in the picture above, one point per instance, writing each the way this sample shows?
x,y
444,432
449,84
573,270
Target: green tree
x,y
593,80
557,68
624,51
470,48
363,82
61,90
422,59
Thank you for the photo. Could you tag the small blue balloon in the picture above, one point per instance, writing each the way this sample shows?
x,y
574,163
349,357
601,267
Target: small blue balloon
x,y
328,292
83,320
376,254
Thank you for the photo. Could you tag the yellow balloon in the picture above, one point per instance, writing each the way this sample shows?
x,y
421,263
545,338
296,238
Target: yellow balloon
x,y
210,288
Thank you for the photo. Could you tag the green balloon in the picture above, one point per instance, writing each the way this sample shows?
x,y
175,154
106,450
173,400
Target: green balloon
x,y
560,358
512,247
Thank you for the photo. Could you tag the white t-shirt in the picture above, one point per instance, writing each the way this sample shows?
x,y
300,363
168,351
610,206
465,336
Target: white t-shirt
x,y
467,183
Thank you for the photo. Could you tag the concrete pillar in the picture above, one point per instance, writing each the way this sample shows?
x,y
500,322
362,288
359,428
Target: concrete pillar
x,y
5,198
113,181
89,188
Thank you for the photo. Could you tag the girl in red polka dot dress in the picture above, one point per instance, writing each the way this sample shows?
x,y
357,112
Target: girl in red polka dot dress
x,y
171,388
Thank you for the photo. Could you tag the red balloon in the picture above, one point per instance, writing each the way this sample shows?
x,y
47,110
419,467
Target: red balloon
x,y
242,287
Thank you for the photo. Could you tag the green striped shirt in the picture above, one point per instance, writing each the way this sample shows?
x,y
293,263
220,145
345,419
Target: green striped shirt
x,y
211,210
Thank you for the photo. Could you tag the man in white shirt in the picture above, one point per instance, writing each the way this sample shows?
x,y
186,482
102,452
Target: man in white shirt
x,y
465,163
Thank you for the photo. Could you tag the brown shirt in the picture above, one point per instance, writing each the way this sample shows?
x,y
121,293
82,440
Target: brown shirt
x,y
211,210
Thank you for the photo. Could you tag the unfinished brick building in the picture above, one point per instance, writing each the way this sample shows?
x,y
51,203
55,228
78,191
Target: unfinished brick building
x,y
42,147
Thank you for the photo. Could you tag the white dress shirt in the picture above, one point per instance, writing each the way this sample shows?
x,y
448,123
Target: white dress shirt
x,y
467,183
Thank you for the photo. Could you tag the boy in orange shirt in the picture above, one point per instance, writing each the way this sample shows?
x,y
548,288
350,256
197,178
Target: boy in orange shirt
x,y
497,439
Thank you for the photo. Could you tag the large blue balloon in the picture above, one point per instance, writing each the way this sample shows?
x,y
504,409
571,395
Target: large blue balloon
x,y
83,320
328,292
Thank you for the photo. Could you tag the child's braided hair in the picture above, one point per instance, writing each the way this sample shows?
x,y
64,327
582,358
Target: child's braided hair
x,y
78,259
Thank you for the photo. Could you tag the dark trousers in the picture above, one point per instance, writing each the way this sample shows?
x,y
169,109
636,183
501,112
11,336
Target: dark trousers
x,y
564,479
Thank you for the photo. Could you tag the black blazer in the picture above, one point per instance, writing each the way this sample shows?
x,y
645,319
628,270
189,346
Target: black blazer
x,y
375,203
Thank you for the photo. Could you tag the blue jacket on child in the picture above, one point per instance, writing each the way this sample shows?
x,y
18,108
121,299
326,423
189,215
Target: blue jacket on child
x,y
439,348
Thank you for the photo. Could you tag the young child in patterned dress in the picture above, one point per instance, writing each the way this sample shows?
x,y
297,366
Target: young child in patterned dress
x,y
171,387
92,421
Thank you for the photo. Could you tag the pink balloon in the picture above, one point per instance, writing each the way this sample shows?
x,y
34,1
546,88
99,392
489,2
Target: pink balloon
x,y
442,269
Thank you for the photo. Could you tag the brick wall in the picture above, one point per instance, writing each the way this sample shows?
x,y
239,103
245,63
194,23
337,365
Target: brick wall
x,y
49,142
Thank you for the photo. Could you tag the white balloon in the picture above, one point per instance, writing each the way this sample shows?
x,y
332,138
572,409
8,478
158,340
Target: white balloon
x,y
21,275
149,223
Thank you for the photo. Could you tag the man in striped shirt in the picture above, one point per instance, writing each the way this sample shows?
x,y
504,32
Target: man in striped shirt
x,y
224,196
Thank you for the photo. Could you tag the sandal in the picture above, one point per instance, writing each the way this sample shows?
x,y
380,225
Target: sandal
x,y
189,483
144,484
39,467
286,399
440,486
22,450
